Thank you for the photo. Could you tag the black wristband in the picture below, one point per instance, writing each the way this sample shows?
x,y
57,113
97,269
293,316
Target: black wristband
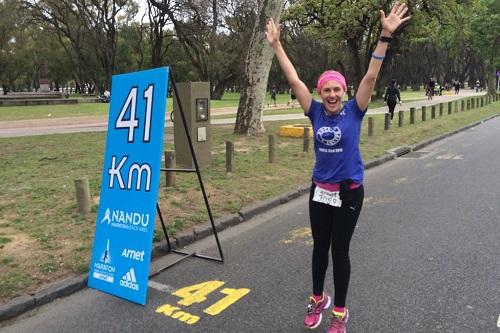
x,y
385,39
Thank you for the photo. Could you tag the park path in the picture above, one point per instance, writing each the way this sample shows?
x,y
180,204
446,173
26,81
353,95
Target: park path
x,y
28,127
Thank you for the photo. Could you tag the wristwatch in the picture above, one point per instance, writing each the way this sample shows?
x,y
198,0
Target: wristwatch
x,y
386,39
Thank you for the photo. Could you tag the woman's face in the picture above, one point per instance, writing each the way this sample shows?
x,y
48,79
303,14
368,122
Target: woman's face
x,y
331,95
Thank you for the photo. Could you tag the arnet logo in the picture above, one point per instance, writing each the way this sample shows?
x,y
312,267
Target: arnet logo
x,y
133,254
129,281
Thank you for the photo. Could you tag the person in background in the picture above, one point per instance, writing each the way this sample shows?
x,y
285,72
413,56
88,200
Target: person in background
x,y
441,88
273,95
392,97
429,88
106,96
293,98
337,191
456,85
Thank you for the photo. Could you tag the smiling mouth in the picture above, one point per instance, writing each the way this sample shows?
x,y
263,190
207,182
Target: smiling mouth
x,y
332,102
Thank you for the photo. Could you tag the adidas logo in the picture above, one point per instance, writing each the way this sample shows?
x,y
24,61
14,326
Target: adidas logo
x,y
129,281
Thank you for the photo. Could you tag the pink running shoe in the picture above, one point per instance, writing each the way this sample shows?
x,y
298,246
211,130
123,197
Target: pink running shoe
x,y
337,325
314,316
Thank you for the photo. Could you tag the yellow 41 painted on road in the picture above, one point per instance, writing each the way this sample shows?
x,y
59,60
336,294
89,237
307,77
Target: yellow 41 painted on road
x,y
198,293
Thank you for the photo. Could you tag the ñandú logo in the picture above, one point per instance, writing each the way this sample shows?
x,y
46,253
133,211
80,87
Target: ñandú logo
x,y
107,216
126,220
329,136
129,280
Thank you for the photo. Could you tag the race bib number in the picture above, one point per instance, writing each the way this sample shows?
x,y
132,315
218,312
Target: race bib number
x,y
327,197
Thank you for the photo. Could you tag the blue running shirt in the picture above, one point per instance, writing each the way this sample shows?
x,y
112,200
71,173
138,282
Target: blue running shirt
x,y
336,143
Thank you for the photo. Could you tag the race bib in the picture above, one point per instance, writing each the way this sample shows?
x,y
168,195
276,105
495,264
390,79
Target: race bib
x,y
327,197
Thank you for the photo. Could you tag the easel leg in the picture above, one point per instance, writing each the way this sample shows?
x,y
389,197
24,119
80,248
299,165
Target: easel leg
x,y
207,205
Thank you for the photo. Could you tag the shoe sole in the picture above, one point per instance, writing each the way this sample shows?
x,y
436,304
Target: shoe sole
x,y
321,315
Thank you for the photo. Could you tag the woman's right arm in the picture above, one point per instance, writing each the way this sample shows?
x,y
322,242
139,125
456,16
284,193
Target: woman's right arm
x,y
298,87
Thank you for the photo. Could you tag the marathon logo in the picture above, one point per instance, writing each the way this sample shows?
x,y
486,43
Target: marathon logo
x,y
103,270
104,267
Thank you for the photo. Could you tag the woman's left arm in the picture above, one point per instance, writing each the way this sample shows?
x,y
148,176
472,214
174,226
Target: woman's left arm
x,y
389,24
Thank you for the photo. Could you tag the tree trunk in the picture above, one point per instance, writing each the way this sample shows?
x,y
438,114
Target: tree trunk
x,y
217,92
357,74
249,118
343,70
490,77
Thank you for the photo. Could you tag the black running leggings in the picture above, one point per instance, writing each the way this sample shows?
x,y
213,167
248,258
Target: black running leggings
x,y
334,226
392,106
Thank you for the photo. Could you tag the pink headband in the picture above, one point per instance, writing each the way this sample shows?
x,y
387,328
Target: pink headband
x,y
331,76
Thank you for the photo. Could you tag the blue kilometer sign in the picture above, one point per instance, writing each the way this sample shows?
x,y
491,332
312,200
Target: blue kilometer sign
x,y
129,188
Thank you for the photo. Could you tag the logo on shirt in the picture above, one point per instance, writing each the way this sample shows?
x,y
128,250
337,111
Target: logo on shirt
x,y
329,136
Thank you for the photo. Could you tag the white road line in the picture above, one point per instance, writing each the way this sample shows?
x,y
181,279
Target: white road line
x,y
161,287
498,321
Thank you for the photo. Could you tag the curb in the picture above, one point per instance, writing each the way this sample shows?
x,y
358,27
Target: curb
x,y
56,290
24,303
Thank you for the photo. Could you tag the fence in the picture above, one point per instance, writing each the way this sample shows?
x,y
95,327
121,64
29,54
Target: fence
x,y
466,104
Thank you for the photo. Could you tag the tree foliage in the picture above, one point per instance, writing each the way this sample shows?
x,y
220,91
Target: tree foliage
x,y
90,28
84,42
485,32
213,35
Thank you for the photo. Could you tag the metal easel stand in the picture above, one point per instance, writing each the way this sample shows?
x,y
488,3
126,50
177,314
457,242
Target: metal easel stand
x,y
197,170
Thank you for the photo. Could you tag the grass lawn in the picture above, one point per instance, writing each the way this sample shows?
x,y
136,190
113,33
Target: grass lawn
x,y
101,109
54,111
43,238
232,99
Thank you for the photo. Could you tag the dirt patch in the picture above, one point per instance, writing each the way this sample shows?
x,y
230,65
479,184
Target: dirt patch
x,y
242,150
23,257
20,245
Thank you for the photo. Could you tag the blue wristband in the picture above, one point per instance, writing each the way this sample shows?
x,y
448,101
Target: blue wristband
x,y
374,56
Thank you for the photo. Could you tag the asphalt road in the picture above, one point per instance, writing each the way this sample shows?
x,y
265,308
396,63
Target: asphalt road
x,y
425,258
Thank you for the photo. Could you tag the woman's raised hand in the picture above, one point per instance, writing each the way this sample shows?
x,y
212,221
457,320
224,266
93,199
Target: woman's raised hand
x,y
395,18
272,31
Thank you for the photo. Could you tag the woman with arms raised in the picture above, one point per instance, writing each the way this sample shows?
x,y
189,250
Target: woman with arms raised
x,y
337,189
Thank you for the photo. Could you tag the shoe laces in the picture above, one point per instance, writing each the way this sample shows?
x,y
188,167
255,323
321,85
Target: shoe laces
x,y
313,307
338,323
